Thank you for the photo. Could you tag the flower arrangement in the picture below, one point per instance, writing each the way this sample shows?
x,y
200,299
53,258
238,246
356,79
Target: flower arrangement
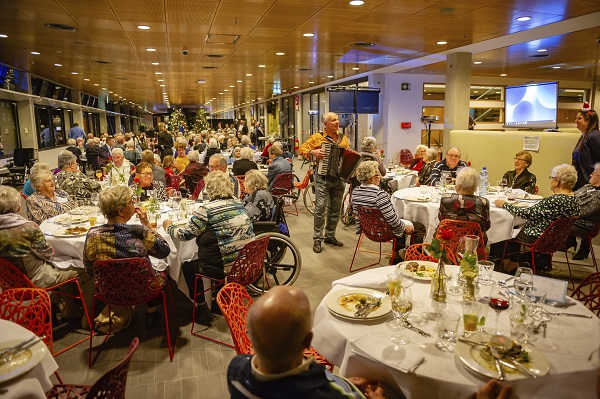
x,y
439,280
437,248
138,190
382,153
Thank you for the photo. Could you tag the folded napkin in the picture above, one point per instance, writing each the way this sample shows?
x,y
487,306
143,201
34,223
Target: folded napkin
x,y
65,262
158,264
373,278
379,347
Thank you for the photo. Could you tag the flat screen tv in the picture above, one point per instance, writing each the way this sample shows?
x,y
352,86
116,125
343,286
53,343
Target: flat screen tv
x,y
531,106
367,101
341,101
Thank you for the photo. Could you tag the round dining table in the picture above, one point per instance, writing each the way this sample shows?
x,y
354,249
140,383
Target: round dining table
x,y
570,346
33,383
402,179
411,204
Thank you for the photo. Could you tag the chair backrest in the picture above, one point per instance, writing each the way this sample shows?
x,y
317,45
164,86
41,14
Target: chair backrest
x,y
250,262
234,302
12,277
190,184
241,179
461,228
112,384
125,282
588,293
198,189
374,225
418,252
555,236
282,184
175,181
29,308
406,156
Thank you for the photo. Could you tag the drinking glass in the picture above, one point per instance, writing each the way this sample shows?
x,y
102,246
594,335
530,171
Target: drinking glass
x,y
471,314
537,300
401,307
447,324
176,198
485,272
499,305
523,281
94,198
99,174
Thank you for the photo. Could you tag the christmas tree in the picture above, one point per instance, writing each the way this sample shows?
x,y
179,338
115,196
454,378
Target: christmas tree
x,y
175,120
201,122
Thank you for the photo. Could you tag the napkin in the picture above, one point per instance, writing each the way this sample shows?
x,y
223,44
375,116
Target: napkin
x,y
65,262
374,278
378,347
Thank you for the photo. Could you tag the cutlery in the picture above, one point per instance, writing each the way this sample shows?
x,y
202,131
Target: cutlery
x,y
8,356
586,316
502,283
544,325
16,347
497,359
506,362
421,332
360,309
371,307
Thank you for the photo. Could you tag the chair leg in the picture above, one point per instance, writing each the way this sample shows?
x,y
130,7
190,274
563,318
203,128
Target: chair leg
x,y
92,361
372,264
195,334
533,261
171,348
569,266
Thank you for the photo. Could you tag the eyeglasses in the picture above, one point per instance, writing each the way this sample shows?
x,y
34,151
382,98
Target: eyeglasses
x,y
146,174
520,159
452,156
552,177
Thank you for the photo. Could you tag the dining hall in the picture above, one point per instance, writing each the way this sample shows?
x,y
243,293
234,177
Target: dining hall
x,y
285,198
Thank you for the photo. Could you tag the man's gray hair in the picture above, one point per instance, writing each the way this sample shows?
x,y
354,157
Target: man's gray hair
x,y
245,140
117,151
220,158
213,143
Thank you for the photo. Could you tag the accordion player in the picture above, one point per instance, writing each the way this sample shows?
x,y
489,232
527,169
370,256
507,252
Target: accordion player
x,y
337,162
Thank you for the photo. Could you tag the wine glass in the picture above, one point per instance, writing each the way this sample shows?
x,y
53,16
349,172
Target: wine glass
x,y
99,174
523,281
94,199
401,307
176,198
499,305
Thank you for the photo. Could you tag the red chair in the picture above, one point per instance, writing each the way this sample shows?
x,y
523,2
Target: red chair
x,y
553,239
406,157
129,282
417,252
110,386
589,237
198,190
375,228
12,277
246,269
283,184
461,228
234,302
588,293
241,179
175,182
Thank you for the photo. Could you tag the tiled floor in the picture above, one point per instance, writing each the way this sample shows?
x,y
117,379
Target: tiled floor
x,y
198,368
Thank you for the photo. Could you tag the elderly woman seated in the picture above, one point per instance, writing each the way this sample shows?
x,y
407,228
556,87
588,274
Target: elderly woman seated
x,y
521,177
28,187
246,142
47,201
588,198
182,159
221,228
369,151
235,155
73,181
561,204
418,162
258,201
429,160
245,163
117,239
464,204
145,186
213,148
195,170
132,154
370,195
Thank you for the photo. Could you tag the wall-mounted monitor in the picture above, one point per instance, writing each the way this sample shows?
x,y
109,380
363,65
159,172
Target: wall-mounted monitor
x,y
367,101
531,106
341,101
354,101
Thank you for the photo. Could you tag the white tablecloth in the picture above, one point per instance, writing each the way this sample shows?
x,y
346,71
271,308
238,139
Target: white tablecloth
x,y
402,180
569,343
36,381
502,222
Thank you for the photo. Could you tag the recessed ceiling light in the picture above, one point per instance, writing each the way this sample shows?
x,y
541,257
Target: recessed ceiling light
x,y
226,90
232,86
160,80
555,67
110,92
248,74
35,53
239,81
355,68
442,42
477,62
57,64
542,50
156,63
150,49
356,2
330,76
308,34
262,66
279,53
164,92
214,98
502,74
104,88
143,27
201,81
2,35
296,87
220,93
162,85
86,79
523,18
311,82
158,73
96,84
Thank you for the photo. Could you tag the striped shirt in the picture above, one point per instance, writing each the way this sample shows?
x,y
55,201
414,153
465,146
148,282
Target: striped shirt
x,y
371,196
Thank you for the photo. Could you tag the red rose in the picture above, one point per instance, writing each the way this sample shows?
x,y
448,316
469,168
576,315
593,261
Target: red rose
x,y
109,159
469,163
381,152
446,234
136,179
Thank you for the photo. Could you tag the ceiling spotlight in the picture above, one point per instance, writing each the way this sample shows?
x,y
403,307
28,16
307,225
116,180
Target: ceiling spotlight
x,y
239,81
162,85
156,63
158,73
308,34
2,35
86,79
104,88
248,74
232,86
150,49
477,62
279,53
74,73
143,27
201,81
57,64
35,53
356,2
523,18
555,67
442,42
160,80
311,82
503,74
330,76
262,66
96,84
296,87
355,68
541,50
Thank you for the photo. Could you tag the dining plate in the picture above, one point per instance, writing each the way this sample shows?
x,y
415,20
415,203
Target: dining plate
x,y
23,362
530,197
417,199
68,220
424,272
74,231
342,303
84,210
471,358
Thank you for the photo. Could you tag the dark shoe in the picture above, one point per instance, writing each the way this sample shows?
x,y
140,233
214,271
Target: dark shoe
x,y
333,241
214,308
203,315
151,320
317,247
584,250
571,243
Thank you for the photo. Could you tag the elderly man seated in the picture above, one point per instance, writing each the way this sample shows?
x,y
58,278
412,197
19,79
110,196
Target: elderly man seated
x,y
218,162
278,165
120,170
451,164
73,181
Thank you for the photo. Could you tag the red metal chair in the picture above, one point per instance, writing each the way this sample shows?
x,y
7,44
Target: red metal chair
x,y
12,277
198,189
241,179
461,228
175,182
406,157
246,269
417,252
553,239
110,386
589,237
375,228
588,293
129,282
283,184
234,302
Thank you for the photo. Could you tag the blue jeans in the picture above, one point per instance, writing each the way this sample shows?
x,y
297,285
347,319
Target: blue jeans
x,y
328,201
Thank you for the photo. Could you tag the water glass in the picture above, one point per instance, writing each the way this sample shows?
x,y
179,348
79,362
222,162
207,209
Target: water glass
x,y
423,189
485,272
447,324
523,282
471,313
521,327
537,300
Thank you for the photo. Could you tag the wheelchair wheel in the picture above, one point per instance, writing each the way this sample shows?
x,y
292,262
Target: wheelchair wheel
x,y
282,264
309,198
346,215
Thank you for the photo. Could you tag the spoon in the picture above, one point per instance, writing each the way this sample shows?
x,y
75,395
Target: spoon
x,y
503,282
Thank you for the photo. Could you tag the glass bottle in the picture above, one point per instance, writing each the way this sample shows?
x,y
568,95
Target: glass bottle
x,y
468,265
439,283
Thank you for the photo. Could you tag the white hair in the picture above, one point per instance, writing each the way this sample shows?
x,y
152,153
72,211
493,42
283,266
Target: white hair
x,y
117,151
193,156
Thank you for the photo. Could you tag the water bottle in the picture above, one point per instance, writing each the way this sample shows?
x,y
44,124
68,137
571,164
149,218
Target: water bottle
x,y
484,181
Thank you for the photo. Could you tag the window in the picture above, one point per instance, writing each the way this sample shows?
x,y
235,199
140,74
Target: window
x,y
9,140
13,79
50,126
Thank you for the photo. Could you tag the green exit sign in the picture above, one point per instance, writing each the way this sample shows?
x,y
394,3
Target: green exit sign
x,y
405,86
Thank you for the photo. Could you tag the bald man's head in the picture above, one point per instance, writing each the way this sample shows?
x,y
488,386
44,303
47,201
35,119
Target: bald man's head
x,y
279,326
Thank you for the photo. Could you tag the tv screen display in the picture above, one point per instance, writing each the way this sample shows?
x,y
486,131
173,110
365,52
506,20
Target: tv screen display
x,y
367,102
531,106
341,101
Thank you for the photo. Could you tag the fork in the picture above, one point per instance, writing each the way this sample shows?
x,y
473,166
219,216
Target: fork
x,y
502,283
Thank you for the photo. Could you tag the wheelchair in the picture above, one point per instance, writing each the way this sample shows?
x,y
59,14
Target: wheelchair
x,y
283,261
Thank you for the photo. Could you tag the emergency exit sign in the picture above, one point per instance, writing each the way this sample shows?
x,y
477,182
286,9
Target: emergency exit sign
x,y
405,86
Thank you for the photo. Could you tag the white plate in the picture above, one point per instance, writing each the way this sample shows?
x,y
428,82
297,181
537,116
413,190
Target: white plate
x,y
425,263
471,359
62,233
333,298
530,197
417,199
22,363
67,220
84,210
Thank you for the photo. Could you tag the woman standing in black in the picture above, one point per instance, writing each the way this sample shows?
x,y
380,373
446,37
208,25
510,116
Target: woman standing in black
x,y
165,141
587,150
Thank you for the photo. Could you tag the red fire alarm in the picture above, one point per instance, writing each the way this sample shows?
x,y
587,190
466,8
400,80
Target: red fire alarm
x,y
405,125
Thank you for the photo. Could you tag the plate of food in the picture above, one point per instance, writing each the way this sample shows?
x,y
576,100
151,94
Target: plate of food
x,y
344,303
73,231
479,359
22,362
422,270
67,220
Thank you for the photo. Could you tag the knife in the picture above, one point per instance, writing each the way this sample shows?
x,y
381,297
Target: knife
x,y
361,308
497,359
517,366
411,327
370,307
586,316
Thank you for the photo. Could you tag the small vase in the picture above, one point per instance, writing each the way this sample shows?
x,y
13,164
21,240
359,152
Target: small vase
x,y
468,265
439,283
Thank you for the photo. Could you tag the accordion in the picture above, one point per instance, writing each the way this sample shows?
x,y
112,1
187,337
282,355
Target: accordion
x,y
338,162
